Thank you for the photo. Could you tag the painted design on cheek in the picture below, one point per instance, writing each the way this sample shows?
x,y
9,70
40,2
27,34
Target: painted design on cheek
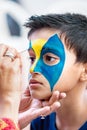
x,y
41,47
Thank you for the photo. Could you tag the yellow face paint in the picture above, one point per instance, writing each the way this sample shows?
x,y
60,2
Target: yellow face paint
x,y
37,47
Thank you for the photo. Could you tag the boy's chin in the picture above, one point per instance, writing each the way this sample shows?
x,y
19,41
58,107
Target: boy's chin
x,y
41,96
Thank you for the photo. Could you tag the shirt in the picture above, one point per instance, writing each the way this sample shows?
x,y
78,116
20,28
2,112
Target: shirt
x,y
48,123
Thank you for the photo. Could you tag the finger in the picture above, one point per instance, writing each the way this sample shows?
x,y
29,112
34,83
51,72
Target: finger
x,y
10,53
13,66
62,95
24,104
27,92
36,113
54,97
54,107
46,110
16,65
14,52
41,111
3,49
31,114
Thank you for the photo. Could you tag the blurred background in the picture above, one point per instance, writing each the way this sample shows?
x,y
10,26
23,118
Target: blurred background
x,y
14,13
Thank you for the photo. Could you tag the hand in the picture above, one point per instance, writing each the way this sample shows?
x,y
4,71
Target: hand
x,y
10,70
32,108
10,82
54,101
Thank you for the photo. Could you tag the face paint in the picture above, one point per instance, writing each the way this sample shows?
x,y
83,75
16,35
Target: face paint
x,y
49,66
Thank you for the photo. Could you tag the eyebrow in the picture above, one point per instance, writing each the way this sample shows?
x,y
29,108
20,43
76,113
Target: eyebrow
x,y
49,49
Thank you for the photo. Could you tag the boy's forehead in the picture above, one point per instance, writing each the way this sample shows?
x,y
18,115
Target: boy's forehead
x,y
52,44
43,33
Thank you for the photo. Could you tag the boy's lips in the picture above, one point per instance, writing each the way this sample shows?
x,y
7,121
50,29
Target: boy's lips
x,y
34,83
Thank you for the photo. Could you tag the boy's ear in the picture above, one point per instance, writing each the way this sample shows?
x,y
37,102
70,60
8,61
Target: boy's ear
x,y
83,76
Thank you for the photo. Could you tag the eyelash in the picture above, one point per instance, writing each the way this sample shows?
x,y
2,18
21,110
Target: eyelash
x,y
49,58
32,59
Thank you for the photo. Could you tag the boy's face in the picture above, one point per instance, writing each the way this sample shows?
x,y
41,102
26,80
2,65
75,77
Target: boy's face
x,y
48,57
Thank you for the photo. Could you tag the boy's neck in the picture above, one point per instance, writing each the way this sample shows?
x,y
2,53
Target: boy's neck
x,y
72,114
68,124
70,120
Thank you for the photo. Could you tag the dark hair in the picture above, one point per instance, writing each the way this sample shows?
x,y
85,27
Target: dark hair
x,y
72,26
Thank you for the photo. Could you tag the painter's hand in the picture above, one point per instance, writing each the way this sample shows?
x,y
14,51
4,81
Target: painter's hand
x,y
33,108
54,101
10,82
10,69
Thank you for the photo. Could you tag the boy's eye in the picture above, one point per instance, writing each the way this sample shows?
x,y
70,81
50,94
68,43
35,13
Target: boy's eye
x,y
51,59
32,59
32,56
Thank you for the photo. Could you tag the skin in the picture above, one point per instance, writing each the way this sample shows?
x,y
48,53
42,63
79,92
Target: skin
x,y
32,108
16,102
10,84
73,81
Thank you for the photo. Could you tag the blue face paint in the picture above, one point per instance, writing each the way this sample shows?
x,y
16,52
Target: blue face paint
x,y
42,47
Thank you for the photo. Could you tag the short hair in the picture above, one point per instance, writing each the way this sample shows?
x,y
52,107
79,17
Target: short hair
x,y
72,26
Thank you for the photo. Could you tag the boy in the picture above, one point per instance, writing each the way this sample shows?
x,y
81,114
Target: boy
x,y
58,54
